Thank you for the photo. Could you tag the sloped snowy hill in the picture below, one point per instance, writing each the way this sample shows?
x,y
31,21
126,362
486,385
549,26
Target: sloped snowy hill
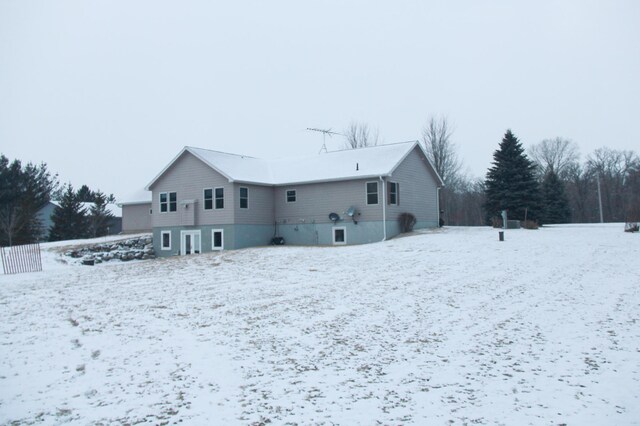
x,y
445,327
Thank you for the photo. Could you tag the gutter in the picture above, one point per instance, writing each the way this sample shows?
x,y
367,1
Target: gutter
x,y
384,210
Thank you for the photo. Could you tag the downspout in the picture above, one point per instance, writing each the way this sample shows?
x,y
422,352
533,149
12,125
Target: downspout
x,y
384,210
438,205
275,219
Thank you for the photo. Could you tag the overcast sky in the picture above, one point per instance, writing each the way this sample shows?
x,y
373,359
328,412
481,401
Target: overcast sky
x,y
108,92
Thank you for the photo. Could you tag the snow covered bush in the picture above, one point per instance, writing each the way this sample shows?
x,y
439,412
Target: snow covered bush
x,y
407,221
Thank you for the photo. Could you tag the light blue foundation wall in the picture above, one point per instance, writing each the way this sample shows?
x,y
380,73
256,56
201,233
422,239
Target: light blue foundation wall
x,y
242,236
426,224
252,235
322,233
234,237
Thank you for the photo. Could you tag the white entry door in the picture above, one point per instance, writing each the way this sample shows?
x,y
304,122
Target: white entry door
x,y
190,242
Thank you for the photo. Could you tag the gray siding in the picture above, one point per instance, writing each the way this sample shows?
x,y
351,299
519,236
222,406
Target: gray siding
x,y
314,202
260,211
136,217
418,189
188,177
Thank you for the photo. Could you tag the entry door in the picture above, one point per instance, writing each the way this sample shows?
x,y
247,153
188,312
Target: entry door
x,y
189,242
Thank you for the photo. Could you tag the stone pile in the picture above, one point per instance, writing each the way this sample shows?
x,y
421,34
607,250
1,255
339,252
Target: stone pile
x,y
125,250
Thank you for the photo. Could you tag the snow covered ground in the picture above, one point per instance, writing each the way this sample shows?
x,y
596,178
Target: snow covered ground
x,y
445,327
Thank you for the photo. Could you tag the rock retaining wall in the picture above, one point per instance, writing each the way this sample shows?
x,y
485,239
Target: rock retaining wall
x,y
133,248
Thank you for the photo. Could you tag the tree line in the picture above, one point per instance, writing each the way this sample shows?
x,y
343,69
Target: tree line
x,y
546,184
26,188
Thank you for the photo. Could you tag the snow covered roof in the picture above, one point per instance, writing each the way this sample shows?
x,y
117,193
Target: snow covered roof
x,y
140,196
380,160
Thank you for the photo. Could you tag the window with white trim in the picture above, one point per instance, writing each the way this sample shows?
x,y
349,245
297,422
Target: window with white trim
x,y
217,239
372,192
165,238
339,235
244,197
394,193
291,195
208,198
168,202
219,198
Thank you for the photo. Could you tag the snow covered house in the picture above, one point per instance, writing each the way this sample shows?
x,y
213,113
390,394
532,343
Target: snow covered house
x,y
207,200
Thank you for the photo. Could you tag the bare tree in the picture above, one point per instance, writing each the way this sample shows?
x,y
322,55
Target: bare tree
x,y
436,138
581,190
359,136
613,168
555,154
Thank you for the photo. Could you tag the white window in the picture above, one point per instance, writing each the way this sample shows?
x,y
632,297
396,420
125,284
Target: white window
x,y
165,237
291,196
208,199
244,197
339,235
372,192
217,239
394,193
168,202
219,198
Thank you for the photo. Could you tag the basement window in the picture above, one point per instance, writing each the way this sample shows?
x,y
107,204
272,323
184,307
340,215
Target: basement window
x,y
340,235
217,239
166,240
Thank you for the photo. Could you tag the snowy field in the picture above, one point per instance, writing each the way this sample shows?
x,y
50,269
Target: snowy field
x,y
443,327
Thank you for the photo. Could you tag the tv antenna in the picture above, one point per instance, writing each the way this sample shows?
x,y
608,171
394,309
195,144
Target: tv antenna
x,y
324,132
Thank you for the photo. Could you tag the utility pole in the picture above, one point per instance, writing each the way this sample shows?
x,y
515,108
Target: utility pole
x,y
599,198
324,132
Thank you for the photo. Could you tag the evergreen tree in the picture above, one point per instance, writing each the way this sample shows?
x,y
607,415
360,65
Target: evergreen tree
x,y
69,219
555,203
510,184
23,192
99,216
85,195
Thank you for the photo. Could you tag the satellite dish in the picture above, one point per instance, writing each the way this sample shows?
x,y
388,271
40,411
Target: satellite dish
x,y
334,217
352,214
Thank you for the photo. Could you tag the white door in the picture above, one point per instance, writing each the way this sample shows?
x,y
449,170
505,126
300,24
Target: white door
x,y
189,242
